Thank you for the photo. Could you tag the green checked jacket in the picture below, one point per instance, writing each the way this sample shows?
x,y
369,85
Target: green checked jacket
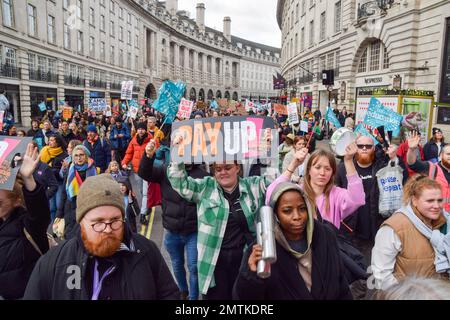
x,y
213,210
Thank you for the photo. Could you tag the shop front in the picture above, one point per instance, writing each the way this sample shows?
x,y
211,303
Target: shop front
x,y
12,94
75,99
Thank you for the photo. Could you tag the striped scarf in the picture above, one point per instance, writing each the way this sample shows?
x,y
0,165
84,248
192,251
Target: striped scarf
x,y
74,180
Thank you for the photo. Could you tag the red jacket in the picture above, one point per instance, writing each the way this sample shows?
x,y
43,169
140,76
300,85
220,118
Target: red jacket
x,y
135,151
403,150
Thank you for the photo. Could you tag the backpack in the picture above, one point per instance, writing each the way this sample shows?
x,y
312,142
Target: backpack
x,y
390,185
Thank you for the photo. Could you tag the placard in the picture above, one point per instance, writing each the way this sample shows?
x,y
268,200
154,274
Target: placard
x,y
9,148
225,139
292,113
97,104
126,92
67,112
185,109
304,126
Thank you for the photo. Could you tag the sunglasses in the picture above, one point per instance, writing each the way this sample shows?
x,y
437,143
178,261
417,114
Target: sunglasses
x,y
362,146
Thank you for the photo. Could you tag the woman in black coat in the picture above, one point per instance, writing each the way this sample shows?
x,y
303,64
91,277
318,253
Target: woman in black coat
x,y
308,265
24,217
432,149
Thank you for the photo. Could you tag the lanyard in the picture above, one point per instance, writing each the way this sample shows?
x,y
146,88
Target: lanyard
x,y
97,286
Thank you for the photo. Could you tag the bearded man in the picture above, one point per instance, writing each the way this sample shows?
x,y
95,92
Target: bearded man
x,y
106,261
363,225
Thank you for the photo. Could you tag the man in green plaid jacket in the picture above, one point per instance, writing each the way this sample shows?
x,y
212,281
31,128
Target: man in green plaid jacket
x,y
213,210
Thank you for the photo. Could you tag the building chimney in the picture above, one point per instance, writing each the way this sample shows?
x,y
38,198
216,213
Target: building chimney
x,y
227,28
172,6
201,17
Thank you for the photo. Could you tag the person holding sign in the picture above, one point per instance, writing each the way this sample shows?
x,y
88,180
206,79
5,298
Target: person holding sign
x,y
226,211
24,217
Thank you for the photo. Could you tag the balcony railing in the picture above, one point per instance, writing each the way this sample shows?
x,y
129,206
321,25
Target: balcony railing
x,y
97,84
73,81
372,7
306,79
9,71
38,75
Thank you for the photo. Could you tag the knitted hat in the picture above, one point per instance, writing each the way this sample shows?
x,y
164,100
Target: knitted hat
x,y
97,191
436,130
280,189
81,147
91,128
141,125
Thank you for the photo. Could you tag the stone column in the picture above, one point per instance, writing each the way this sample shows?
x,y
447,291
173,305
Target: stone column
x,y
24,88
60,92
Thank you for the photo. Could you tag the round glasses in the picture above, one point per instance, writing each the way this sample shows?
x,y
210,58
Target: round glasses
x,y
101,226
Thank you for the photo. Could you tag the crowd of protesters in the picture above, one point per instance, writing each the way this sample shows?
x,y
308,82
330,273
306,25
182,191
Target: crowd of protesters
x,y
86,184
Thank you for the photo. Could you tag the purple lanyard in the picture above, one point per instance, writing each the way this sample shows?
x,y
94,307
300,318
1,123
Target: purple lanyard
x,y
97,286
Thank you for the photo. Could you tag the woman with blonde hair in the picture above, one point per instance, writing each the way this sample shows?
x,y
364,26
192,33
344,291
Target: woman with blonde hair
x,y
416,239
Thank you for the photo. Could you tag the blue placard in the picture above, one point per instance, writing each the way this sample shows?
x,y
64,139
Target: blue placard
x,y
363,131
169,98
378,115
42,106
331,117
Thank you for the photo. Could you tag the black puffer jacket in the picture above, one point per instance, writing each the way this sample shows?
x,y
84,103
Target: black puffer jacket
x,y
140,273
431,150
179,216
17,255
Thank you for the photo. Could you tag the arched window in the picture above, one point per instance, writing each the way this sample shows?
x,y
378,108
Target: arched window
x,y
374,58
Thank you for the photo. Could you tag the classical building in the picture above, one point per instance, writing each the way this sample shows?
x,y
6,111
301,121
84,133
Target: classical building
x,y
74,50
369,45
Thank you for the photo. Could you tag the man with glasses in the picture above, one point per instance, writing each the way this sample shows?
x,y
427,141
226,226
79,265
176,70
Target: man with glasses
x,y
105,261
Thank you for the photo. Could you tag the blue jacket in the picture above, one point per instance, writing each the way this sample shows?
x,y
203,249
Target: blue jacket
x,y
119,143
100,152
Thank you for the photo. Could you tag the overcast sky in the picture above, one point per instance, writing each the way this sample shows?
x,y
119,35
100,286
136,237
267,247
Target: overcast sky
x,y
253,20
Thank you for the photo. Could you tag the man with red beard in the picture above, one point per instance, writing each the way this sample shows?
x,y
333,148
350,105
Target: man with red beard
x,y
362,226
106,261
439,172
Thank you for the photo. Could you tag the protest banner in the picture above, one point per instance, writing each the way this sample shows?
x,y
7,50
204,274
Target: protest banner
x,y
185,109
108,112
169,98
304,126
331,117
67,112
378,115
292,113
225,139
126,92
362,105
280,109
9,148
2,115
97,104
133,111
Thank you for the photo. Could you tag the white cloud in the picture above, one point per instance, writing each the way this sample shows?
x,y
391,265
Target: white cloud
x,y
253,20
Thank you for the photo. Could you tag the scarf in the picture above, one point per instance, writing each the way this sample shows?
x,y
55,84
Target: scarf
x,y
92,141
74,180
140,140
47,154
439,241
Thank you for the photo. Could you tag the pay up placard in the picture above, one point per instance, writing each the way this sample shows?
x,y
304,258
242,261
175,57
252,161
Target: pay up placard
x,y
10,147
212,140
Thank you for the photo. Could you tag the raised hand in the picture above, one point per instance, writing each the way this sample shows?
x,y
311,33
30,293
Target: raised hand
x,y
350,151
300,156
413,140
150,148
30,161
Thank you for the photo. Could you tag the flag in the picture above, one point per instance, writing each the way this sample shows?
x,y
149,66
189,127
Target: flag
x,y
331,117
169,98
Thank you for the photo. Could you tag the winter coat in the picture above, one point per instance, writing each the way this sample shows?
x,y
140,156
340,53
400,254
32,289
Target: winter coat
x,y
68,137
178,215
140,274
17,254
45,177
100,152
55,165
285,281
431,151
135,151
116,141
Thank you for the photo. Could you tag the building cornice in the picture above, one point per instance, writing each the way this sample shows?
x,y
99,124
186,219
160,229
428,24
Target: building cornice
x,y
280,5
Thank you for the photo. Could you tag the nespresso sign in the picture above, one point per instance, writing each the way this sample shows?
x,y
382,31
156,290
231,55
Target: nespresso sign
x,y
373,80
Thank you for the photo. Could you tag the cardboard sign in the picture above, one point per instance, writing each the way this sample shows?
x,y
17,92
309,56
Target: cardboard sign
x,y
9,148
293,113
126,92
108,112
133,111
185,109
280,109
97,104
42,106
304,126
225,139
67,112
